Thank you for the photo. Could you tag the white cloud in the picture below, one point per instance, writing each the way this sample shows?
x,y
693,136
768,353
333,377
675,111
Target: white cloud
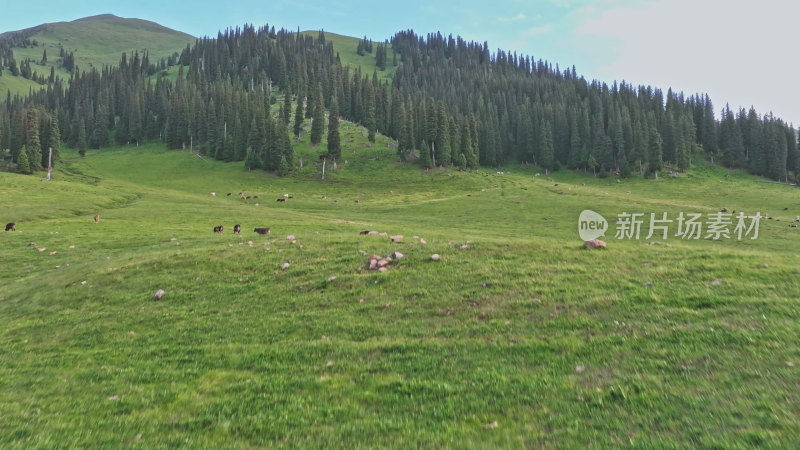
x,y
537,31
518,17
742,53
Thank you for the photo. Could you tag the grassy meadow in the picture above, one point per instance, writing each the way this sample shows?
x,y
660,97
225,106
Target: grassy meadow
x,y
516,337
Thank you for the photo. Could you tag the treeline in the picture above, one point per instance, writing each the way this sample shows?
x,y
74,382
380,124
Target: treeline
x,y
240,96
528,111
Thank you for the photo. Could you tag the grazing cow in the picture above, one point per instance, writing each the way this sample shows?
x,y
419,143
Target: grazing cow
x,y
229,194
261,230
237,228
365,232
255,196
218,229
281,200
11,226
96,218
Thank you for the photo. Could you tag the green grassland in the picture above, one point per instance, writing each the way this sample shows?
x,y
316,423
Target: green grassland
x,y
516,337
96,41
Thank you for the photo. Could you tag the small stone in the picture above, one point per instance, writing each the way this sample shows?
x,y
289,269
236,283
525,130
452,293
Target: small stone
x,y
373,264
716,283
580,369
41,249
648,284
397,238
53,253
173,239
83,282
397,255
789,363
492,425
138,437
464,246
766,266
284,266
159,294
654,243
422,241
435,257
383,263
382,269
361,300
483,285
537,300
113,398
330,363
330,279
290,237
71,246
594,243
250,243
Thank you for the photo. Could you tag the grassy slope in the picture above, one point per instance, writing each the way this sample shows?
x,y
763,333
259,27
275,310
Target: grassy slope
x,y
96,41
240,353
346,47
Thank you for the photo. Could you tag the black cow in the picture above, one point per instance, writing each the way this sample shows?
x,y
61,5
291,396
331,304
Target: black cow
x,y
261,230
11,226
237,228
218,229
281,200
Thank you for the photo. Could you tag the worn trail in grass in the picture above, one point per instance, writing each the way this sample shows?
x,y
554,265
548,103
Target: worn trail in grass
x,y
690,343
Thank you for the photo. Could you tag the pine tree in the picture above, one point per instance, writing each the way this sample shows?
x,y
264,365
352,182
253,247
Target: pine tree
x,y
33,143
287,105
298,117
55,139
283,167
370,121
424,155
334,141
546,150
23,163
252,161
82,141
317,123
656,161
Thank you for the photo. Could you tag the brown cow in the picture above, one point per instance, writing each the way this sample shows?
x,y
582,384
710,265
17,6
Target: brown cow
x,y
237,228
261,230
218,229
11,226
96,218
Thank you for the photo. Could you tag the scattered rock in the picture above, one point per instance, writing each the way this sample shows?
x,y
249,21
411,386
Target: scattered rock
x,y
435,257
373,264
290,237
537,300
330,363
53,253
330,279
789,363
648,284
716,283
138,437
595,243
383,263
422,241
41,249
396,255
83,282
492,425
580,369
464,246
654,243
396,238
284,266
159,294
382,269
113,398
71,246
361,300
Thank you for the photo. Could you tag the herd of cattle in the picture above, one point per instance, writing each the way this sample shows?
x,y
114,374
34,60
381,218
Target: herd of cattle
x,y
237,229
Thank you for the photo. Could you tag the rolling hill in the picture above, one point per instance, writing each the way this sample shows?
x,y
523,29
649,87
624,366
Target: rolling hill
x,y
95,41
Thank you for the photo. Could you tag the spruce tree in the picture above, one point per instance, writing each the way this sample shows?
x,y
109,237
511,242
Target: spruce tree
x,y
283,167
334,141
546,150
424,155
55,139
23,162
82,141
656,161
33,143
298,117
317,123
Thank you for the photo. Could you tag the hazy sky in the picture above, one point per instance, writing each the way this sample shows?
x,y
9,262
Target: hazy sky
x,y
740,52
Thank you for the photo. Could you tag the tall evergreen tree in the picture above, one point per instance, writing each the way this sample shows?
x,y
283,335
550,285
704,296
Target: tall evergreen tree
x,y
298,117
317,123
23,163
334,141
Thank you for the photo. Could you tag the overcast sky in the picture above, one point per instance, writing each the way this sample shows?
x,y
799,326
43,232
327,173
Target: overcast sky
x,y
739,52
